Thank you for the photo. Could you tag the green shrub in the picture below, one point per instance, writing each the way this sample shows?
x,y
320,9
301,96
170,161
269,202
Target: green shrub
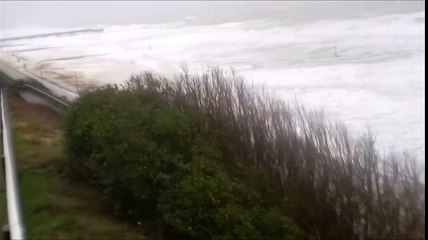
x,y
155,166
208,204
128,145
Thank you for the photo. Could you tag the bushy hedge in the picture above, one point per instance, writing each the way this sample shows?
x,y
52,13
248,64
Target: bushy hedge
x,y
156,166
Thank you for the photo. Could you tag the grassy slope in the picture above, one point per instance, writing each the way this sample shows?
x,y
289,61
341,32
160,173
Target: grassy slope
x,y
55,207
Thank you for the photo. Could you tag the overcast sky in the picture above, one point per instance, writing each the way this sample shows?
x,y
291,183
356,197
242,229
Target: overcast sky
x,y
17,14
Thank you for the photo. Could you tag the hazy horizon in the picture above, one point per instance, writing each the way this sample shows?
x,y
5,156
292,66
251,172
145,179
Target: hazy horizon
x,y
17,14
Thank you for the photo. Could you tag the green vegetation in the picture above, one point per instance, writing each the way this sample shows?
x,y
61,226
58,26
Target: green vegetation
x,y
57,205
3,206
155,166
205,157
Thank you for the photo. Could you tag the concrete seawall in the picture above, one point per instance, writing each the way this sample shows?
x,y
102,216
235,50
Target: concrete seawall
x,y
59,90
35,90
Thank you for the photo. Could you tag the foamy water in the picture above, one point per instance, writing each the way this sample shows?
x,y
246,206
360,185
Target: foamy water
x,y
364,71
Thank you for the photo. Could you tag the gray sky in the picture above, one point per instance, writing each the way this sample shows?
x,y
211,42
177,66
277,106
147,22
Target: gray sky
x,y
16,14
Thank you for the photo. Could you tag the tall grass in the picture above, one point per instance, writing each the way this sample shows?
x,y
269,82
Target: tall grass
x,y
334,186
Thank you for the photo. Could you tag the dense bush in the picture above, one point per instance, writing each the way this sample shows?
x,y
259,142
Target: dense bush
x,y
154,166
208,204
205,157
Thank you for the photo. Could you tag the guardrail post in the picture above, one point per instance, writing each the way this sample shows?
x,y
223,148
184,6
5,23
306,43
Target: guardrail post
x,y
15,221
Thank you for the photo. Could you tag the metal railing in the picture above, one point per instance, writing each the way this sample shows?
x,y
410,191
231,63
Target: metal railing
x,y
16,226
47,94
